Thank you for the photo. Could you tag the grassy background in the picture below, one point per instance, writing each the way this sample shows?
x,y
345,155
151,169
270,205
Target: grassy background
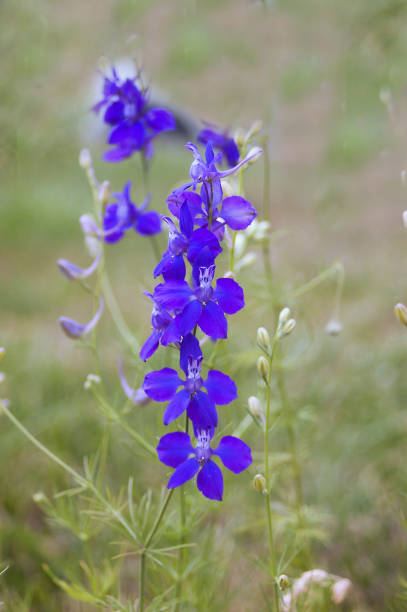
x,y
315,71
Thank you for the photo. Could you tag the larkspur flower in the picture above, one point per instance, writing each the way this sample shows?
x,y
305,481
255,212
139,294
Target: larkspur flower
x,y
73,272
162,385
175,450
222,141
134,124
123,215
200,305
186,241
160,320
75,330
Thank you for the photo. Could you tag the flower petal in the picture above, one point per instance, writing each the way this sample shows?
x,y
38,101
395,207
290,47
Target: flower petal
x,y
177,406
161,385
173,295
210,481
202,411
221,389
148,223
234,453
128,135
114,113
189,317
159,119
200,239
174,448
189,348
183,473
213,322
229,295
237,212
150,345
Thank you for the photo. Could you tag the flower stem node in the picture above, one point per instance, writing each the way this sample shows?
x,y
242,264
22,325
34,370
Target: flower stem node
x,y
283,582
263,368
85,159
263,339
2,352
259,483
401,313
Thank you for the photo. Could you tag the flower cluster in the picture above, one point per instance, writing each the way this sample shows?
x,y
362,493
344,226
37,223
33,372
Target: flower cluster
x,y
185,303
133,123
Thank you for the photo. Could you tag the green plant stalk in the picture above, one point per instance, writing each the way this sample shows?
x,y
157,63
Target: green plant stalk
x,y
267,477
181,557
117,316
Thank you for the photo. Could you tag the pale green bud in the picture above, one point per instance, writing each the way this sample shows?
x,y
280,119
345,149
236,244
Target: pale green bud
x,y
104,193
284,315
239,137
85,159
263,339
287,328
2,352
259,483
255,408
254,129
401,313
263,367
333,327
254,153
283,582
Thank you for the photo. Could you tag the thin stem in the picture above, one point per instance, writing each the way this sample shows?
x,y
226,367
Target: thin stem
x,y
181,556
335,269
117,316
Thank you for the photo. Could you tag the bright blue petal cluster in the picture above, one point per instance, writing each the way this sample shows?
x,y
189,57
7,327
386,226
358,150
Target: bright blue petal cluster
x,y
221,141
181,306
133,124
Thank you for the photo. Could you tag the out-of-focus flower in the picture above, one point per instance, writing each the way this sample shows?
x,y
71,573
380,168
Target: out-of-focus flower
x,y
221,141
75,330
340,590
73,272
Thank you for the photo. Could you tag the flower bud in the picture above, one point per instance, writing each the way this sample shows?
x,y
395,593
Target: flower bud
x,y
340,590
255,408
85,159
254,129
239,137
263,367
401,313
2,377
88,225
405,218
284,315
227,189
333,327
91,379
104,194
259,483
283,582
39,497
2,352
263,339
254,154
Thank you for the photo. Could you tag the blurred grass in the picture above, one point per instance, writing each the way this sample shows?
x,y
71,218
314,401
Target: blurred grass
x,y
316,69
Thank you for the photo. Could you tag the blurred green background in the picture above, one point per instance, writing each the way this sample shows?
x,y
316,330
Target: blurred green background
x,y
319,72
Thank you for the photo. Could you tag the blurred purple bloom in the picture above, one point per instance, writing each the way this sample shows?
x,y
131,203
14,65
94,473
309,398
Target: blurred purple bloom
x,y
73,272
123,215
200,305
75,330
134,125
175,450
160,320
222,141
162,385
137,396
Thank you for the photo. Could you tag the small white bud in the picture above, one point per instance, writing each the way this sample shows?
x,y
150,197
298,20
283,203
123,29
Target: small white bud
x,y
340,590
254,129
2,377
104,193
240,245
85,159
263,339
254,153
91,379
227,189
283,582
92,245
401,313
239,137
284,316
39,497
259,483
2,352
333,327
405,218
263,367
255,407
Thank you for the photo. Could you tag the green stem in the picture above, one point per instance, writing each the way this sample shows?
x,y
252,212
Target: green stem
x,y
181,556
117,316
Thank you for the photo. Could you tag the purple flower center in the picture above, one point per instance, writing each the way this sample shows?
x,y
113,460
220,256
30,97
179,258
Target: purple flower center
x,y
204,292
194,381
203,450
130,111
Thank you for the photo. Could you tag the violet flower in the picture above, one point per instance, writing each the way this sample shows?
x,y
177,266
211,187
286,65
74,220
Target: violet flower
x,y
123,215
175,450
75,330
73,272
222,141
160,320
162,385
134,124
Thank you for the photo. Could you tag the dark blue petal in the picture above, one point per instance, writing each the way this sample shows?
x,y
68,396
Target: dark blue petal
x,y
200,239
171,334
221,389
186,223
189,317
213,322
132,135
189,348
174,448
148,223
150,345
229,295
113,228
202,411
177,406
210,481
183,473
234,453
118,154
162,384
114,113
237,212
209,156
159,119
166,260
173,295
174,268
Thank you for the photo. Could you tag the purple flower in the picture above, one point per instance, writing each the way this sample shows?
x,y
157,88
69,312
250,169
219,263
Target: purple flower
x,y
175,450
200,305
134,124
187,241
163,385
160,320
75,330
223,142
73,272
123,215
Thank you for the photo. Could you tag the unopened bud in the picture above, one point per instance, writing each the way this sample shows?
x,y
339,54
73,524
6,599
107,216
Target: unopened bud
x,y
255,408
259,483
104,193
405,218
263,367
283,582
401,313
88,225
239,137
286,328
2,352
333,327
2,377
227,189
254,154
254,129
263,339
91,379
85,159
340,590
284,315
39,497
